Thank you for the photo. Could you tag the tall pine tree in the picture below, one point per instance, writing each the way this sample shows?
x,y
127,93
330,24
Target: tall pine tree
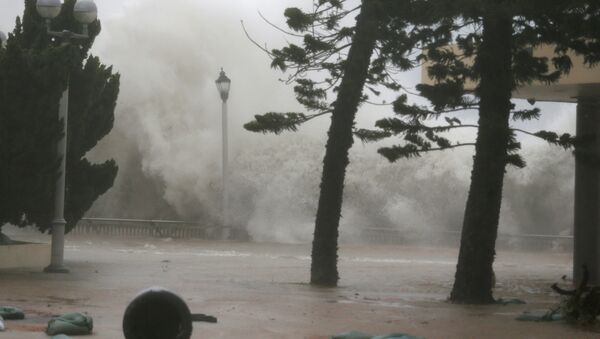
x,y
494,49
348,60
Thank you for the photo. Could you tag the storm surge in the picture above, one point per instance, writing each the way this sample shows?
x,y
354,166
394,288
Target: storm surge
x,y
167,143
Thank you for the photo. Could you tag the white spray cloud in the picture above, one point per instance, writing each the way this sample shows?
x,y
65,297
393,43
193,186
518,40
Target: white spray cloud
x,y
167,137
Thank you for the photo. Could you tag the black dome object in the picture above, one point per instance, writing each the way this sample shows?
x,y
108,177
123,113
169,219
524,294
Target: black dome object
x,y
157,313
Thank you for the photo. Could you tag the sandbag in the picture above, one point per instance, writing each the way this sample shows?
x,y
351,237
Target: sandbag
x,y
11,313
70,324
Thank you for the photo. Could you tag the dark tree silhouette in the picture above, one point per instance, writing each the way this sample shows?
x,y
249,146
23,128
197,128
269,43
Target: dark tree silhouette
x,y
93,94
31,84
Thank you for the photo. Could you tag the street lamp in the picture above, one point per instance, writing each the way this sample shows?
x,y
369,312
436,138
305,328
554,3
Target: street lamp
x,y
85,12
223,85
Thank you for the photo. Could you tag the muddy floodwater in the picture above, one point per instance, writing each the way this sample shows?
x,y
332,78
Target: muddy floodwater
x,y
260,290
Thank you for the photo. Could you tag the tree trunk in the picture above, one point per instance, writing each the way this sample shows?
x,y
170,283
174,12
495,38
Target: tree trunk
x,y
324,251
473,280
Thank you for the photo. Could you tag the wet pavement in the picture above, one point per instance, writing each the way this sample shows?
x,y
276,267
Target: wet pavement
x,y
260,290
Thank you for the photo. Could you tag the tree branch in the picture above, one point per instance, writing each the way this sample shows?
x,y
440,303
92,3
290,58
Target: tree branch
x,y
277,27
254,41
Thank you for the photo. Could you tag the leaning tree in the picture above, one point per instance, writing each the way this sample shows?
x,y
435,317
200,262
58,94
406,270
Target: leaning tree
x,y
494,49
334,58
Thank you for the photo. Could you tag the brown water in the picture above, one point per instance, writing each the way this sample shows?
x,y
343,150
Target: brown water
x,y
260,290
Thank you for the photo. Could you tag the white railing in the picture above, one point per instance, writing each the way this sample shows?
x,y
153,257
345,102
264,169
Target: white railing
x,y
190,230
141,228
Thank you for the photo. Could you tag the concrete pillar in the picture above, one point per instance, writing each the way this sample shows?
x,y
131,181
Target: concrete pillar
x,y
587,191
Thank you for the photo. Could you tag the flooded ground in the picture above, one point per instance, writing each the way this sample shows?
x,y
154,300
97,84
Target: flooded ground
x,y
260,290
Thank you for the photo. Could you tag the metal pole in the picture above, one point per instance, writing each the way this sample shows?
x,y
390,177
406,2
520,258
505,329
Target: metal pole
x,y
225,164
59,222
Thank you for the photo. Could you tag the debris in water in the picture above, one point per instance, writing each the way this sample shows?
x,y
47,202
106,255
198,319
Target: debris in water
x,y
581,305
541,315
206,318
510,301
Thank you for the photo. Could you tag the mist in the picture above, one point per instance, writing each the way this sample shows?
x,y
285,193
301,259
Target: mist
x,y
167,139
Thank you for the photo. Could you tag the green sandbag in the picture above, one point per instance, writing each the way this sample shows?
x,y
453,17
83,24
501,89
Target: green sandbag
x,y
70,324
11,313
60,336
360,335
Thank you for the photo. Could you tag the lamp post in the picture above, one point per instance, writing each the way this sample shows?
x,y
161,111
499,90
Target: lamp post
x,y
223,85
85,12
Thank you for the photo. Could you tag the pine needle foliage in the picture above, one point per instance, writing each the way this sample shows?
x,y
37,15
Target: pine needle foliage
x,y
455,69
314,60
